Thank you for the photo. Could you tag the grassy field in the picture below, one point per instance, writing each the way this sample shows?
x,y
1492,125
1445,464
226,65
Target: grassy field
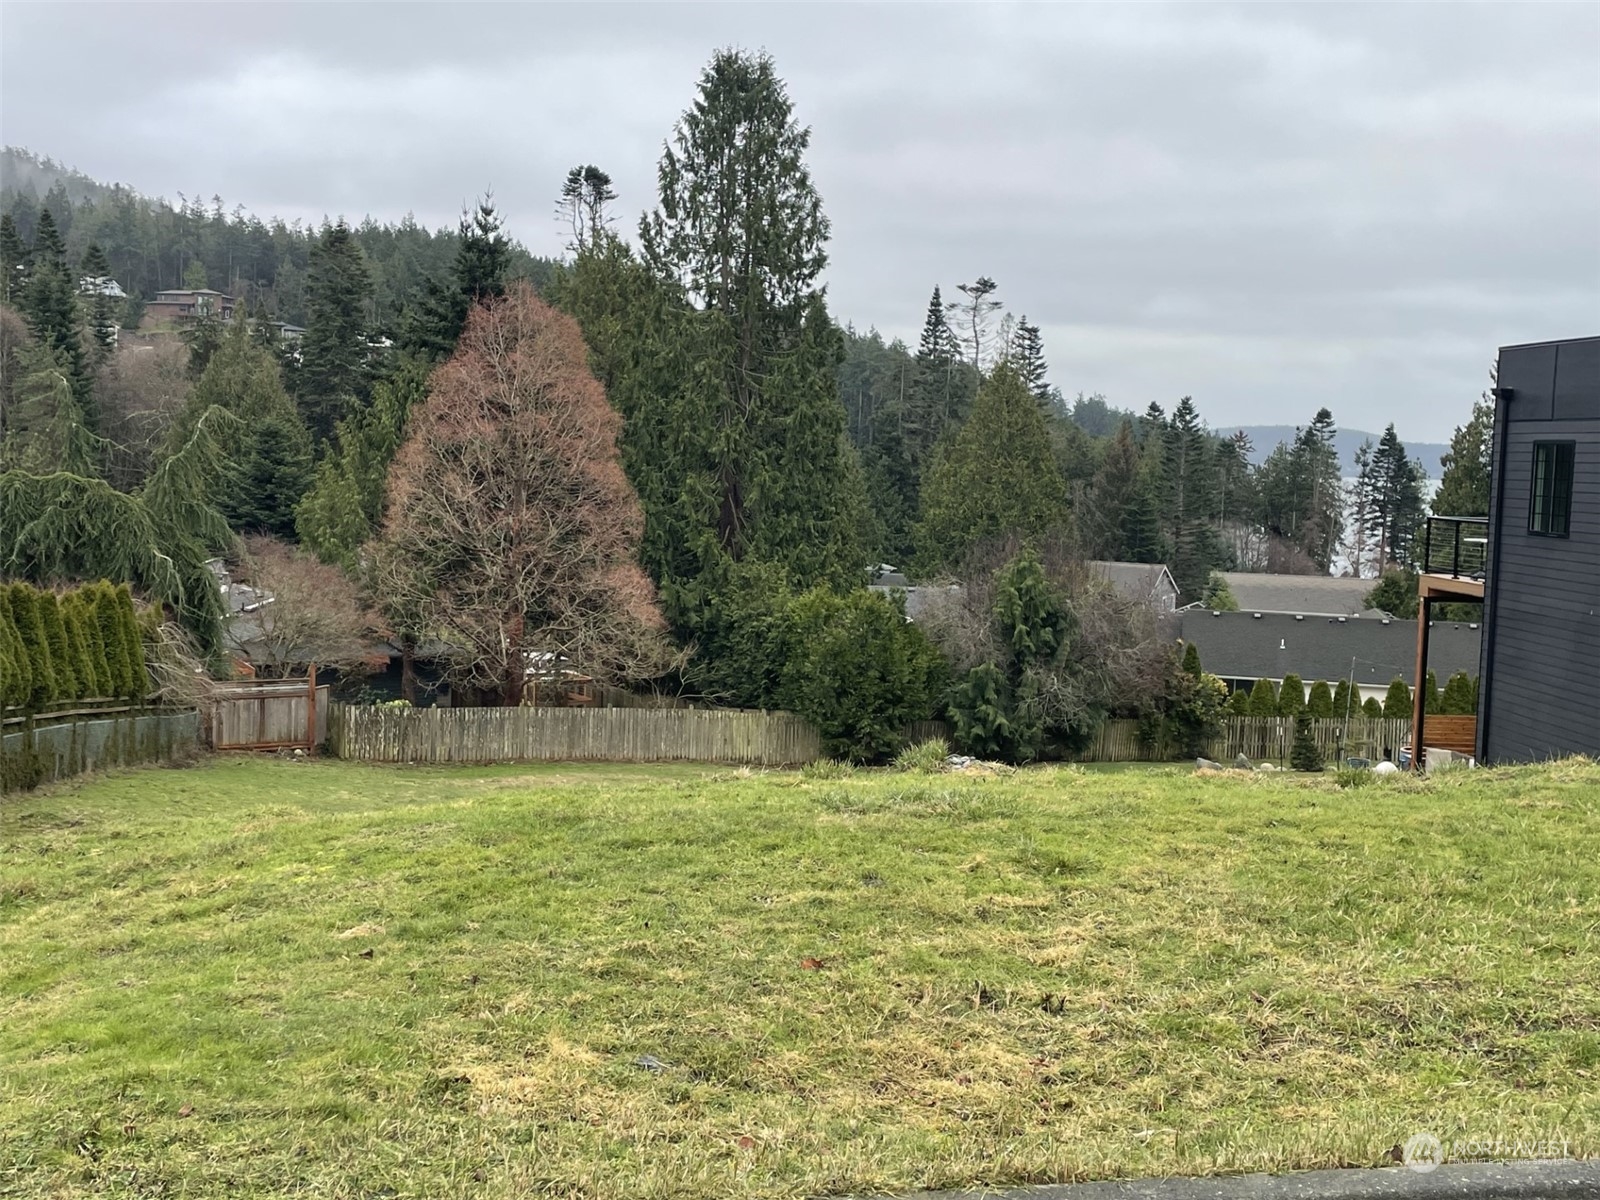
x,y
260,977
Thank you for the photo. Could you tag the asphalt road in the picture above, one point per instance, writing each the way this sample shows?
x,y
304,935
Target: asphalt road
x,y
1560,1179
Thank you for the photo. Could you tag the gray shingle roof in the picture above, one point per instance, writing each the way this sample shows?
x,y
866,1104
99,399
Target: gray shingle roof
x,y
1242,646
1306,594
1136,581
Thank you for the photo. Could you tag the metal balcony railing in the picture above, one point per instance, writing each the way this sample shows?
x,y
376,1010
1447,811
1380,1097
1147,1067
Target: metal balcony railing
x,y
1455,546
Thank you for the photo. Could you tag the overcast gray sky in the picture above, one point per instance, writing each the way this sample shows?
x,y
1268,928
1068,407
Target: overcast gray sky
x,y
1270,208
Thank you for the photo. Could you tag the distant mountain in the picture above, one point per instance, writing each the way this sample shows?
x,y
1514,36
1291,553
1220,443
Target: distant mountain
x,y
1346,441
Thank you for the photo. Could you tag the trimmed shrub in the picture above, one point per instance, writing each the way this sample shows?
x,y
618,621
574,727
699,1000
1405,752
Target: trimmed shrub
x,y
1397,704
109,617
1459,698
25,614
1239,703
16,669
1191,660
95,643
1291,696
1430,694
1263,699
1342,704
63,673
78,647
1320,702
139,684
1304,754
1372,708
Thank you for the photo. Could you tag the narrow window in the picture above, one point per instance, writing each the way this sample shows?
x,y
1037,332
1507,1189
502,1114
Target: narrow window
x,y
1551,511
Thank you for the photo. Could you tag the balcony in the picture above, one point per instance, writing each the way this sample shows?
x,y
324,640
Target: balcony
x,y
1455,558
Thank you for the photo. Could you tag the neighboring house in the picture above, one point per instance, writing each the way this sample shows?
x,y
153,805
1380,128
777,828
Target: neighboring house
x,y
1308,595
101,285
179,306
1540,691
1145,583
1241,647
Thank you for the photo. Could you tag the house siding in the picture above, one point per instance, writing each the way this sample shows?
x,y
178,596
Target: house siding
x,y
1540,659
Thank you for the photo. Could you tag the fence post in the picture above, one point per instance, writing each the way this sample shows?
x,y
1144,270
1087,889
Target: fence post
x,y
311,709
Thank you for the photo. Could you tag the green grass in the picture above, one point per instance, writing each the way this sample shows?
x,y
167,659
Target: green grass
x,y
260,977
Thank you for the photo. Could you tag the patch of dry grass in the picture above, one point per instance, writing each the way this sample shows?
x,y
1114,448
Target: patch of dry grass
x,y
260,977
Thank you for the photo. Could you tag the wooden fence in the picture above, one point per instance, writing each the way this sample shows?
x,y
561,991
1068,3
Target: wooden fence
x,y
267,714
1269,739
475,735
1459,734
50,746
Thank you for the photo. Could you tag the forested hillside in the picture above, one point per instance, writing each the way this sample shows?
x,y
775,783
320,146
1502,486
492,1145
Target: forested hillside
x,y
665,443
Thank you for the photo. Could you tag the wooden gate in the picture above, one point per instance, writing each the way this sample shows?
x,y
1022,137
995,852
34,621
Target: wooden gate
x,y
268,714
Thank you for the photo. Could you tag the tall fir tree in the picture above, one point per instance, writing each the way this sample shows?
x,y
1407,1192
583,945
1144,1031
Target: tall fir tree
x,y
1189,490
103,308
740,234
49,302
998,477
434,321
1027,357
1464,485
937,399
333,376
13,261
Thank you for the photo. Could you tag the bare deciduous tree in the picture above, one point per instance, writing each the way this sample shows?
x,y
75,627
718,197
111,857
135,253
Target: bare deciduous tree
x,y
306,612
141,390
511,532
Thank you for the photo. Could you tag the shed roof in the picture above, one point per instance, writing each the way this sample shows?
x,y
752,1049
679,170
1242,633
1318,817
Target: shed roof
x,y
1307,594
1137,581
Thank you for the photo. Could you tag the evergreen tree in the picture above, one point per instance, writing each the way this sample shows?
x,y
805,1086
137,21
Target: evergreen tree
x,y
1320,702
1304,753
740,236
970,319
1397,704
16,682
36,642
333,353
1263,699
434,322
1239,703
1120,519
582,205
94,641
1372,708
1189,487
119,663
1302,493
1430,694
1027,358
64,684
998,477
103,314
1236,497
50,304
1191,660
1342,703
342,509
1458,698
1395,594
133,641
937,398
13,261
45,430
1396,498
79,649
1291,696
1464,486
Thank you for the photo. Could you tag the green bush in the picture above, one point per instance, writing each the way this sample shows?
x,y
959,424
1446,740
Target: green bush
x,y
63,671
926,757
42,674
94,642
1430,694
1397,704
1371,707
1291,696
1191,660
1320,702
16,669
1304,753
1342,705
118,663
1263,699
1460,695
139,683
1239,703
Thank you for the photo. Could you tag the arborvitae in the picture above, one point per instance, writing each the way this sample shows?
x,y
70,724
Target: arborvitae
x,y
41,670
1305,754
1342,705
139,684
1320,702
1430,694
81,647
94,641
63,670
17,684
108,615
997,478
1458,699
1191,660
1397,704
1239,703
1372,707
1291,696
1263,699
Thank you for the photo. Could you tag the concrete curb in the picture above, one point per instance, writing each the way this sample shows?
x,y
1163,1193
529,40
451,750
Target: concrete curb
x,y
1543,1179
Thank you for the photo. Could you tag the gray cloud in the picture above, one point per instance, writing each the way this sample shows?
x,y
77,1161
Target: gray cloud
x,y
1271,208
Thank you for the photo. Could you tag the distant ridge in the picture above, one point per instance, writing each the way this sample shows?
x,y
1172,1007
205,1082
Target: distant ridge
x,y
1347,441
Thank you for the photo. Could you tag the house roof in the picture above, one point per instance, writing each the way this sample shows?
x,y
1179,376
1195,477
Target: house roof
x,y
1240,645
1307,594
1138,581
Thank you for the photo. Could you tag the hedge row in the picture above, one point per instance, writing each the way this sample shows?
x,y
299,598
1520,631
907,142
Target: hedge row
x,y
77,645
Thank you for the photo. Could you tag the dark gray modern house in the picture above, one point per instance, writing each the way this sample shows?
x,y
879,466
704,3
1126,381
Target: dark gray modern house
x,y
1536,561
